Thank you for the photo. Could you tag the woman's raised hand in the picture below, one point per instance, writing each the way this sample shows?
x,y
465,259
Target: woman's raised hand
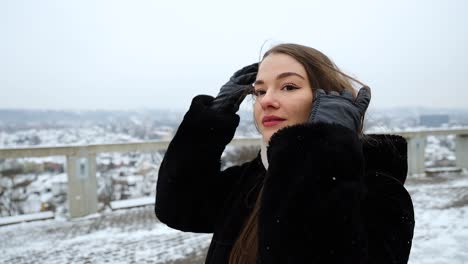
x,y
342,109
232,93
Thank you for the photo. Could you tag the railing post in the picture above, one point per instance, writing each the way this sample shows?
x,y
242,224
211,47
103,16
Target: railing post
x,y
416,153
82,184
461,151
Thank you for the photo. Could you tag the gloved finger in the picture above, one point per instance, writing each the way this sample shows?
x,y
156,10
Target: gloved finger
x,y
320,92
249,89
247,69
363,99
246,79
234,99
237,91
241,97
347,94
317,94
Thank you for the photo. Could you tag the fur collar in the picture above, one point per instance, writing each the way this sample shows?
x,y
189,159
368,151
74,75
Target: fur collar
x,y
383,153
386,154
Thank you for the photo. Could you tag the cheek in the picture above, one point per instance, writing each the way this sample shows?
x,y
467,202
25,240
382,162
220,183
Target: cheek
x,y
257,112
303,110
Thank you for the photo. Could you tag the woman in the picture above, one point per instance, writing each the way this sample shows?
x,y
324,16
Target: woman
x,y
318,192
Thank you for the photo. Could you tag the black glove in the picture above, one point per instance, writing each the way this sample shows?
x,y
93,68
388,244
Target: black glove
x,y
340,109
232,93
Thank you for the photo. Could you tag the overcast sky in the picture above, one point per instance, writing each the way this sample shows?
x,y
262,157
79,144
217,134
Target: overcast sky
x,y
159,54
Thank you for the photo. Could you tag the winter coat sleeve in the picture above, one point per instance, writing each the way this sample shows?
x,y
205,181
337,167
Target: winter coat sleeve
x,y
388,208
191,188
313,201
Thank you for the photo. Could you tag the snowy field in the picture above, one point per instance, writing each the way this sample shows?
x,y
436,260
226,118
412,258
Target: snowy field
x,y
125,236
441,212
135,235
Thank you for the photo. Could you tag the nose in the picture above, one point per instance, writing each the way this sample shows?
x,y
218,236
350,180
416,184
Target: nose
x,y
269,100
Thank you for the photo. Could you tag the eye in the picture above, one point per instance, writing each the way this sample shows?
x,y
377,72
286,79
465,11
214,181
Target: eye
x,y
290,87
259,92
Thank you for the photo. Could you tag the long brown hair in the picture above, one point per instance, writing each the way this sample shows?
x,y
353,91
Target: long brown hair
x,y
323,74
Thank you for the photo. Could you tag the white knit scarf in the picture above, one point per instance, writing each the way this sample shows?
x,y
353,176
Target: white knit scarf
x,y
263,153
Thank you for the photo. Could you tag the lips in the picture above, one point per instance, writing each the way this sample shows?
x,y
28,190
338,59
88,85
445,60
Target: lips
x,y
271,120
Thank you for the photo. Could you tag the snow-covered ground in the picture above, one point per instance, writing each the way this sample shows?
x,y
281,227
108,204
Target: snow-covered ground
x,y
135,235
441,214
125,236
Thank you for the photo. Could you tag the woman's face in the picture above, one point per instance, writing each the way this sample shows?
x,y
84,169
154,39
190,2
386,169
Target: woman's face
x,y
283,96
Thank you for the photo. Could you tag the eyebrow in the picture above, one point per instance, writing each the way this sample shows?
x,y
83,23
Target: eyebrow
x,y
281,76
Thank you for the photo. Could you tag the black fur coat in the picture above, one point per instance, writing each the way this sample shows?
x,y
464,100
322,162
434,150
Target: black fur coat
x,y
328,196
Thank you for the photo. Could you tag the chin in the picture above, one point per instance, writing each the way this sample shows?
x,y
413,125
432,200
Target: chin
x,y
267,136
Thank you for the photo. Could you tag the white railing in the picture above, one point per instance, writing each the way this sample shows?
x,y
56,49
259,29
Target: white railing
x,y
81,161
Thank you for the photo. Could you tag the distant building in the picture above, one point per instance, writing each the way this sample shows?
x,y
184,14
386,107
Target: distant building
x,y
433,120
